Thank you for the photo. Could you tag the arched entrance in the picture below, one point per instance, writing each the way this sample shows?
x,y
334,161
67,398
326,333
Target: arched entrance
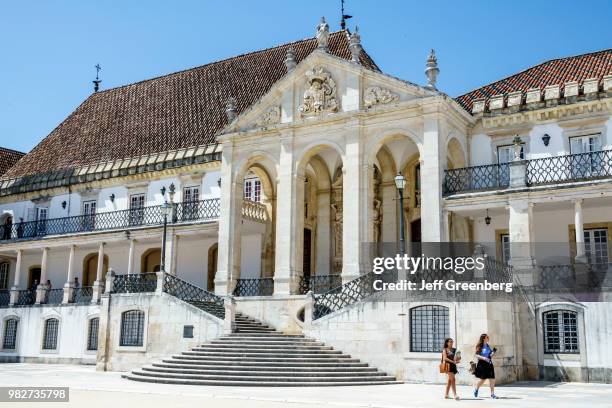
x,y
151,260
212,266
90,269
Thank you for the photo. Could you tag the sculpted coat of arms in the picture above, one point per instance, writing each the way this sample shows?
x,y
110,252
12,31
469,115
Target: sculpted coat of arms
x,y
321,93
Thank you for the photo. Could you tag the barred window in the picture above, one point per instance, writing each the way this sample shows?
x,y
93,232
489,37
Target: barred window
x,y
92,334
429,327
132,328
50,335
10,334
560,332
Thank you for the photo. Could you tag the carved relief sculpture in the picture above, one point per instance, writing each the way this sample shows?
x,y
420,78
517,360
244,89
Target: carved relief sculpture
x,y
270,117
321,93
375,95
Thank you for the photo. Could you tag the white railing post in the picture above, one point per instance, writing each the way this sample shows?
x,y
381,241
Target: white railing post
x,y
230,314
308,310
160,282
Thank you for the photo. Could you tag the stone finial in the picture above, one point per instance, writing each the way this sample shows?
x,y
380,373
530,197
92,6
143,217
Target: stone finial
x,y
432,70
231,109
323,35
355,45
290,62
516,144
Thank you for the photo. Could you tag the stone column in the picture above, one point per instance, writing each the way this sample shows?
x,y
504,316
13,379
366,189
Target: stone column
x,y
131,257
289,207
354,211
97,286
323,251
390,222
41,291
579,224
432,170
69,285
17,279
521,234
230,220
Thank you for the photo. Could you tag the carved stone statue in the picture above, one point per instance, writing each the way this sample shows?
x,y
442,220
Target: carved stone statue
x,y
355,45
337,229
323,34
375,95
377,219
270,116
321,93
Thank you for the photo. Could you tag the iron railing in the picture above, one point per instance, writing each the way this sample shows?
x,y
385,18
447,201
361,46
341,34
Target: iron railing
x,y
26,297
349,293
185,291
54,296
254,287
487,177
123,219
82,295
571,167
135,283
573,277
5,297
320,283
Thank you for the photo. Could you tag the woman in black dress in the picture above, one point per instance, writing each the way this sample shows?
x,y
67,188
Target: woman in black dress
x,y
448,356
484,368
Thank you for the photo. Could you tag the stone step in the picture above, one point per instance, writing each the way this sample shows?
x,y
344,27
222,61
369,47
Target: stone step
x,y
254,348
257,383
285,354
306,372
266,345
273,342
268,367
311,359
251,363
274,335
271,378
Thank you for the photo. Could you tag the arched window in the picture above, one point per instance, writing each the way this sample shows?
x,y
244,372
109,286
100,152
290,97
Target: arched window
x,y
4,276
50,334
92,333
560,332
429,327
9,341
132,328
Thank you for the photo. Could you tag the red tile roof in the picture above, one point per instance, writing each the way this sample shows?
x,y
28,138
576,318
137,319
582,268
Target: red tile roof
x,y
553,72
178,110
8,158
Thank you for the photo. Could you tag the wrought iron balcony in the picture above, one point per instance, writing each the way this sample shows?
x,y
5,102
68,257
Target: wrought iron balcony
x,y
477,178
135,283
5,297
548,170
205,210
254,287
320,283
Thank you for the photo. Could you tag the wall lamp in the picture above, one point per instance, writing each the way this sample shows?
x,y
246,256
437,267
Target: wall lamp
x,y
112,197
488,218
546,139
64,204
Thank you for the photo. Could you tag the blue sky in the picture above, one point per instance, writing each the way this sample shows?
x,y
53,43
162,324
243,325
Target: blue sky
x,y
48,49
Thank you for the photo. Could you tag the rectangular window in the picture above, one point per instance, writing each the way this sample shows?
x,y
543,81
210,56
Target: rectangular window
x,y
9,341
429,327
41,220
191,196
50,335
585,162
505,154
252,190
505,248
560,332
92,334
137,204
4,276
596,245
89,214
585,144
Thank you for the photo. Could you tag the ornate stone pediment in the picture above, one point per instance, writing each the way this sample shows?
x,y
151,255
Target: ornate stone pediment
x,y
375,95
320,96
271,116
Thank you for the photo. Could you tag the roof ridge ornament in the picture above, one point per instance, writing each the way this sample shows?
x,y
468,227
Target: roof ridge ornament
x,y
231,109
290,61
323,35
432,70
97,81
355,45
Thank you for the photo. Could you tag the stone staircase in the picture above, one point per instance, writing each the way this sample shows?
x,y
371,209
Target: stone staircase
x,y
258,355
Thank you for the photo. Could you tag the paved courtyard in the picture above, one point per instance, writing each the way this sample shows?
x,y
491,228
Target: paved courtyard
x,y
95,389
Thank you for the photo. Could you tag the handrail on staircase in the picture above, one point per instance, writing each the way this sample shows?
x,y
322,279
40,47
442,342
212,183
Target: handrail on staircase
x,y
187,292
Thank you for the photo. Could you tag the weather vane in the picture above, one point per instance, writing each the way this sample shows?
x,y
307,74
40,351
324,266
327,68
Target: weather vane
x,y
97,81
344,16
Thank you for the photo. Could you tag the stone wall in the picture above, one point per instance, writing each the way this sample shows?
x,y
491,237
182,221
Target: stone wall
x,y
72,334
279,311
165,318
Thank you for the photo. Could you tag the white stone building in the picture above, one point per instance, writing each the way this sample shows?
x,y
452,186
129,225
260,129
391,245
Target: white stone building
x,y
273,171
